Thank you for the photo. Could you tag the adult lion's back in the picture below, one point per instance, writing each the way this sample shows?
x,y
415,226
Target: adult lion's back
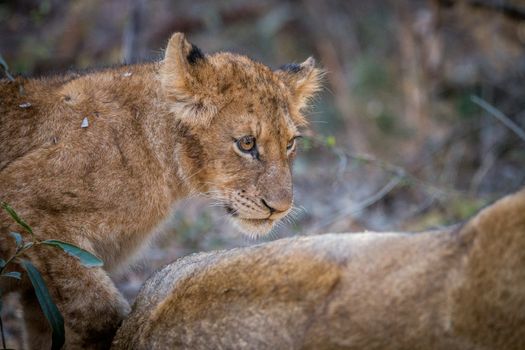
x,y
456,289
309,292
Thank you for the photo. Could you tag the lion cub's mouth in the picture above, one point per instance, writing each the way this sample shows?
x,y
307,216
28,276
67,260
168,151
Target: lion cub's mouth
x,y
251,227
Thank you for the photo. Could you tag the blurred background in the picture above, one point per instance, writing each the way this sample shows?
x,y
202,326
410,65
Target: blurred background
x,y
421,121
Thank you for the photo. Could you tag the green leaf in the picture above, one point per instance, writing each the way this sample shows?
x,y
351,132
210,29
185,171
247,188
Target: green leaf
x,y
86,258
54,317
18,238
17,218
330,141
13,274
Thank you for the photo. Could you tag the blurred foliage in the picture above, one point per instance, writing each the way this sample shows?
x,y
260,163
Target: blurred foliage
x,y
371,77
190,232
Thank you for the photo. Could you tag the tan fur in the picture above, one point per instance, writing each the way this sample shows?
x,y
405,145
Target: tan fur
x,y
156,133
461,289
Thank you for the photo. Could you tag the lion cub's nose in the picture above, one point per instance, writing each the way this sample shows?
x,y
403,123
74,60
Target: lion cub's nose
x,y
277,206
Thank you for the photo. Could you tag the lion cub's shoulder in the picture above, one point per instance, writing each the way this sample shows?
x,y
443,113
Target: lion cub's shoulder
x,y
40,112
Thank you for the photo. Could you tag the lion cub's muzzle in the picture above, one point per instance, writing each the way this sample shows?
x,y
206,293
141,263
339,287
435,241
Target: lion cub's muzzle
x,y
248,206
255,214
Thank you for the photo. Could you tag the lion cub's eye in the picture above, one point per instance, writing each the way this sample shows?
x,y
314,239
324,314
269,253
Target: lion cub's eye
x,y
290,144
246,143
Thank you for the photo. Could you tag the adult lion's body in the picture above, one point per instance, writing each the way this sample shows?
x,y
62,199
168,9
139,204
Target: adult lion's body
x,y
462,288
99,159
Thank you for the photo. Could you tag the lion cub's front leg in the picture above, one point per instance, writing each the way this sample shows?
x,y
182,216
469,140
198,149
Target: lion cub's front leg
x,y
90,303
38,332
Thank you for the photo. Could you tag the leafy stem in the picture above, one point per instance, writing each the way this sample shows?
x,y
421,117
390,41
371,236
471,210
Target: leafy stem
x,y
18,252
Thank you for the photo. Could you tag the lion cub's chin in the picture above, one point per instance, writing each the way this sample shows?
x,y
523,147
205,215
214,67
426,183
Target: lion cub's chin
x,y
253,227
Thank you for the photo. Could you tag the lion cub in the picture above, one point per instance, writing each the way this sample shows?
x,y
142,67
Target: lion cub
x,y
99,159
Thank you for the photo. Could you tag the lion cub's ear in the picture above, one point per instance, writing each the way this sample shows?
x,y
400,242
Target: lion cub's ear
x,y
181,74
304,80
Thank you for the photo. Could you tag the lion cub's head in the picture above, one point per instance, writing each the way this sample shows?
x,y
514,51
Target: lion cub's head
x,y
239,121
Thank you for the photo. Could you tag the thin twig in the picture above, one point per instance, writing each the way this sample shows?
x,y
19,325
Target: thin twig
x,y
499,116
371,200
394,169
3,336
6,69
